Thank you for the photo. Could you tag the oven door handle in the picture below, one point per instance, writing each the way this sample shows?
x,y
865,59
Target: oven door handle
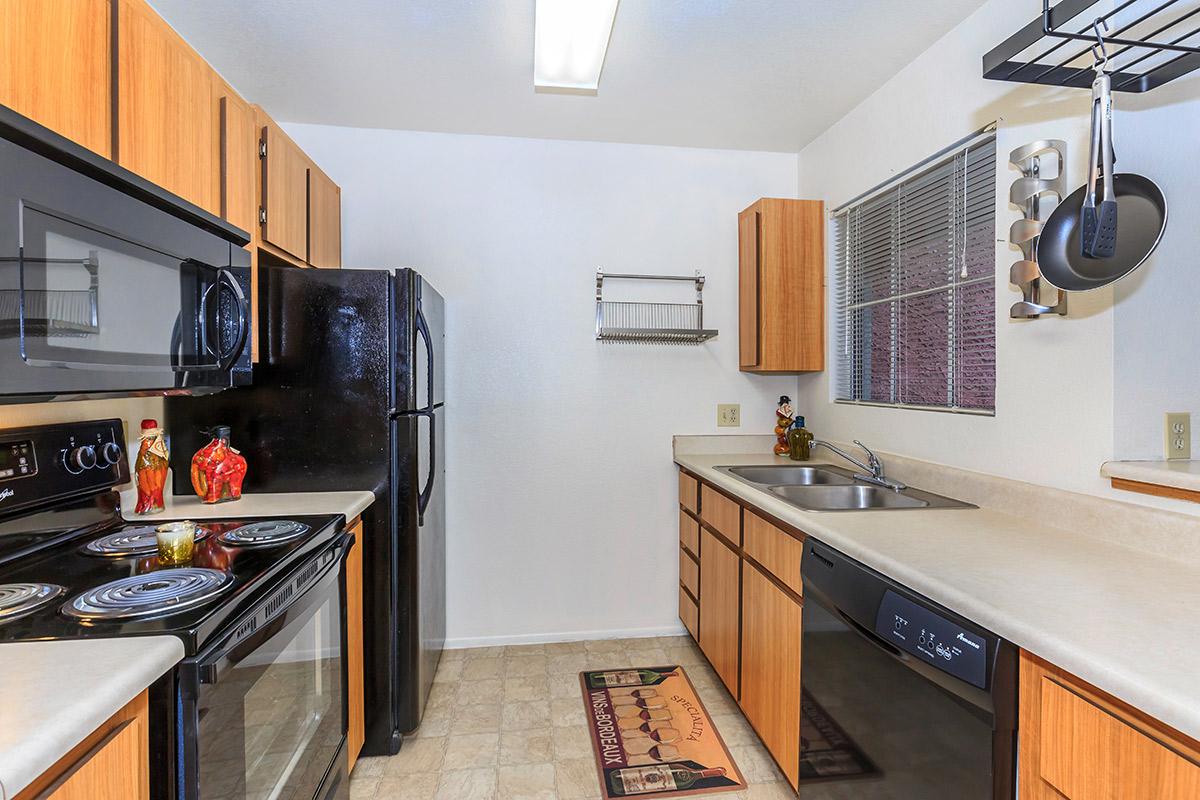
x,y
263,621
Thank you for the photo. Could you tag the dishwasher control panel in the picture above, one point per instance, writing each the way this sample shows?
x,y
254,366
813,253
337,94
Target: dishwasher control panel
x,y
932,638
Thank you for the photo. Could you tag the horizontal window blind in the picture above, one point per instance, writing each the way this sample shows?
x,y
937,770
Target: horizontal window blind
x,y
915,288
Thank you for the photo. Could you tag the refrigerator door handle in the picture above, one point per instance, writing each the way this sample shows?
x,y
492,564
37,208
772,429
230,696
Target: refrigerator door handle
x,y
423,329
427,493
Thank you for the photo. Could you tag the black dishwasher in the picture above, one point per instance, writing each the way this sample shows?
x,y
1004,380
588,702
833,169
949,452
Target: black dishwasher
x,y
903,699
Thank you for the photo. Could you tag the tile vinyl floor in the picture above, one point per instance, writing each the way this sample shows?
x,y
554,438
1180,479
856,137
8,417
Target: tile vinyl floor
x,y
507,723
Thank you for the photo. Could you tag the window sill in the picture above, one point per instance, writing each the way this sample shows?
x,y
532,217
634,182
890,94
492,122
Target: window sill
x,y
1179,480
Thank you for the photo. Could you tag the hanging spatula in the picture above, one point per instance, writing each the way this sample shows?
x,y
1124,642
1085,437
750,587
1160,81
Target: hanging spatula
x,y
1087,214
1104,240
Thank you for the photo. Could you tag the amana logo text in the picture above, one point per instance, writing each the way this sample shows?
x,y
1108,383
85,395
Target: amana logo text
x,y
5,494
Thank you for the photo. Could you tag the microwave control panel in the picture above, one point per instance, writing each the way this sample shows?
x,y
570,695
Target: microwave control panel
x,y
932,638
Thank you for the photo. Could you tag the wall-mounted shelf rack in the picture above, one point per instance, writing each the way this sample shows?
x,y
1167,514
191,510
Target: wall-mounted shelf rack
x,y
655,323
1149,43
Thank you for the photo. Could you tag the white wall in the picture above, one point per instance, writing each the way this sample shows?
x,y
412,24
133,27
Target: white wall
x,y
1054,420
560,480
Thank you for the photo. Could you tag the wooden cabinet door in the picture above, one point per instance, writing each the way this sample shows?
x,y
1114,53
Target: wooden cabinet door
x,y
356,729
1079,743
284,191
719,612
239,161
770,695
111,763
55,67
168,108
324,220
749,268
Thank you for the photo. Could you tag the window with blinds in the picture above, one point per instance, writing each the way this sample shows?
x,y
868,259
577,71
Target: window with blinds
x,y
915,280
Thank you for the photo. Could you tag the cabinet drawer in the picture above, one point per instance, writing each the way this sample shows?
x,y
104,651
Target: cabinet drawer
x,y
779,552
689,613
1087,753
689,573
689,534
688,488
721,513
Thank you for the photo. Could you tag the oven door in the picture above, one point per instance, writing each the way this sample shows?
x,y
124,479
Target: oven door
x,y
262,714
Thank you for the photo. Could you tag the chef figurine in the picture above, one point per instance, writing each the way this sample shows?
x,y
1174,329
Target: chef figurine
x,y
783,421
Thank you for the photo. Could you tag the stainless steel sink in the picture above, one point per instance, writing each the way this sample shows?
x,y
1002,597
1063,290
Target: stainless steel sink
x,y
827,488
859,497
791,476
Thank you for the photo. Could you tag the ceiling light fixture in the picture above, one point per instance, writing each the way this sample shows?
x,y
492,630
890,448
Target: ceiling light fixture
x,y
570,39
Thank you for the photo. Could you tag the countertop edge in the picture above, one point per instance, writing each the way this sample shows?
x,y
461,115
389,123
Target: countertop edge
x,y
146,659
1177,710
1175,474
350,504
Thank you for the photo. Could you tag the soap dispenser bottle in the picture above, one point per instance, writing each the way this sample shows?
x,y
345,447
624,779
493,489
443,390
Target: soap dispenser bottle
x,y
799,441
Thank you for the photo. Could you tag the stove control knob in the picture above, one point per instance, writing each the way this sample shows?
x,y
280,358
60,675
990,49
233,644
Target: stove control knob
x,y
111,453
81,458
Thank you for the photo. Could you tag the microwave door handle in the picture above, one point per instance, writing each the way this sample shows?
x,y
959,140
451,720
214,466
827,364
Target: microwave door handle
x,y
225,359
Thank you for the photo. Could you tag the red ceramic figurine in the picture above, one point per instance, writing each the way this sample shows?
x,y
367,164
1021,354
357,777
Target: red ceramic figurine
x,y
217,469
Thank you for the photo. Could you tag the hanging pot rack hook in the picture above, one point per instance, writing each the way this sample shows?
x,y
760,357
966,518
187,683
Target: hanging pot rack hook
x,y
1100,49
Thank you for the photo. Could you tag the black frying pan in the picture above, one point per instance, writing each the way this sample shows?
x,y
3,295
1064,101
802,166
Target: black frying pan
x,y
1142,210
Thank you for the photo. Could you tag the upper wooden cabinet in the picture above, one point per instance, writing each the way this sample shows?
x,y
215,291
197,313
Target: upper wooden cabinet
x,y
324,220
56,67
284,202
168,107
781,286
239,160
1078,743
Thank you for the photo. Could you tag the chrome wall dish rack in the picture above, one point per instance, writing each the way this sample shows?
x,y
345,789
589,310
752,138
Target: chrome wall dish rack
x,y
655,323
1154,42
1029,193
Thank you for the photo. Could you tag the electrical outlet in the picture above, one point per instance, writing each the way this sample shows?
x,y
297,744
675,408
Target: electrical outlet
x,y
729,415
1177,435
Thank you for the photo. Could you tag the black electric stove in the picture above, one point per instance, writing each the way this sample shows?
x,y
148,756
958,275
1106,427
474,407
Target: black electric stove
x,y
260,610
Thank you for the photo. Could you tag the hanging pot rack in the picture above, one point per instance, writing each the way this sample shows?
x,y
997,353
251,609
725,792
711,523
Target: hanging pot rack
x,y
1151,38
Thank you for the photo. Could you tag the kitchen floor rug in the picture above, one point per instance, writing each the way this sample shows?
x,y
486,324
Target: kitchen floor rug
x,y
653,737
826,752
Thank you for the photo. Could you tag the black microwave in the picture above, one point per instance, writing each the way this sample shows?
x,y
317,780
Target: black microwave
x,y
109,285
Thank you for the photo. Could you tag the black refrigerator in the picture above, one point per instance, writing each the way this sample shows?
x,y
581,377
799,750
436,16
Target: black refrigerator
x,y
349,394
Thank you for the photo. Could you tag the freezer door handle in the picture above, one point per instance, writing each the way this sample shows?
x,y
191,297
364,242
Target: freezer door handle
x,y
423,329
427,492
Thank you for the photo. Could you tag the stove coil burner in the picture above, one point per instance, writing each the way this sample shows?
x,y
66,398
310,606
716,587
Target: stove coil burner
x,y
139,541
19,599
153,594
264,533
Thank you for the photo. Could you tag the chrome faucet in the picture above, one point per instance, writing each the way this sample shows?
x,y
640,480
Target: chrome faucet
x,y
872,470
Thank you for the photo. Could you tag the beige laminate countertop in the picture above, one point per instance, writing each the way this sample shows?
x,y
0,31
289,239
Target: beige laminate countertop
x,y
1123,619
1178,474
265,504
53,694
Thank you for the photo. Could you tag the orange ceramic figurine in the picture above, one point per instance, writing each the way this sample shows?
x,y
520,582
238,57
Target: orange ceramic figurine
x,y
217,469
783,420
151,468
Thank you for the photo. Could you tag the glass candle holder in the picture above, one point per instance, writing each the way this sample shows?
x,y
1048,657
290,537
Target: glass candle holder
x,y
176,542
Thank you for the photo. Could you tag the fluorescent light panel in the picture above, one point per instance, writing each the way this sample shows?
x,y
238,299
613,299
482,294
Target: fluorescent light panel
x,y
570,39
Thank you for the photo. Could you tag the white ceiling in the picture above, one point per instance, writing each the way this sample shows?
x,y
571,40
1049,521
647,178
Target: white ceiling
x,y
739,74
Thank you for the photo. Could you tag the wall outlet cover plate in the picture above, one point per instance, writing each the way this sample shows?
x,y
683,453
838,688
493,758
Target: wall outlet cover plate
x,y
1177,435
729,415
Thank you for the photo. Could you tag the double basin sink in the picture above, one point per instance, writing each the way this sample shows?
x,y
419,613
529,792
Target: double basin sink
x,y
829,488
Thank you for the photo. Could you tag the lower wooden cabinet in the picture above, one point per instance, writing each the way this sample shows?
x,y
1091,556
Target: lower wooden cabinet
x,y
770,687
356,727
720,612
1078,743
689,613
113,763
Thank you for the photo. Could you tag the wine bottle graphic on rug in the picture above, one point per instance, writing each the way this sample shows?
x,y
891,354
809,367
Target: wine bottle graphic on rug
x,y
658,778
627,677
